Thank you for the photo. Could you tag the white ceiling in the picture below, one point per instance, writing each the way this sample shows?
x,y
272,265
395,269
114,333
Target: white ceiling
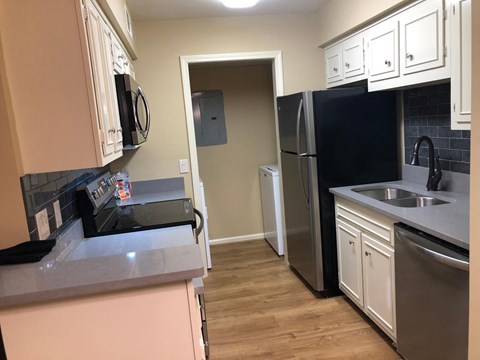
x,y
178,9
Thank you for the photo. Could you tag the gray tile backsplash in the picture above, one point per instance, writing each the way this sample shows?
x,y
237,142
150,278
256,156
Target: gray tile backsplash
x,y
427,112
40,191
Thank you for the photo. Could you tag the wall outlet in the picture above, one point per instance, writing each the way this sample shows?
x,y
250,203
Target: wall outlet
x,y
183,165
58,213
42,224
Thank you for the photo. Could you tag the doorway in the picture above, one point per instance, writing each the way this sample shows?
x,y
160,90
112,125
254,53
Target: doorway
x,y
275,61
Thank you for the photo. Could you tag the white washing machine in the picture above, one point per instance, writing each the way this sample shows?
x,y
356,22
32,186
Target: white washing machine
x,y
204,211
271,210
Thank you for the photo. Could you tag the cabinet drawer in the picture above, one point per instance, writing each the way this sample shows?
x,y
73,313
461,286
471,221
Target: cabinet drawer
x,y
377,224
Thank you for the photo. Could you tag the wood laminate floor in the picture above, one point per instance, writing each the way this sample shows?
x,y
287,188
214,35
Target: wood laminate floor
x,y
258,309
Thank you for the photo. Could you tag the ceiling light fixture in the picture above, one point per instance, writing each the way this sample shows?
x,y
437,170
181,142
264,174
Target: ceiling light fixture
x,y
239,4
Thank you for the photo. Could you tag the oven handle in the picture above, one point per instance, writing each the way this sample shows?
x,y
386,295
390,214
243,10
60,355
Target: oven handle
x,y
200,215
436,256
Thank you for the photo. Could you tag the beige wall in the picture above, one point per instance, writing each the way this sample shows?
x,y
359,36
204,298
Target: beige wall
x,y
230,171
159,45
474,343
13,223
340,16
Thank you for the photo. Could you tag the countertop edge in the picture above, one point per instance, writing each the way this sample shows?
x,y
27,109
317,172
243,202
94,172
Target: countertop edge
x,y
106,287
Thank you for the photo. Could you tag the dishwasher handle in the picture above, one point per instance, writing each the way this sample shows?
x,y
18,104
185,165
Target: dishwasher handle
x,y
433,255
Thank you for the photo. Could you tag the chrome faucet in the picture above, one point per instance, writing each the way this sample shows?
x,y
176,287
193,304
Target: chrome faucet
x,y
434,170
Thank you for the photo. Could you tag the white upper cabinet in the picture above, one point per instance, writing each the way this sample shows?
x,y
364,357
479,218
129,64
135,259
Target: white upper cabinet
x,y
345,61
422,44
66,115
99,43
122,63
461,64
353,57
383,51
333,64
410,47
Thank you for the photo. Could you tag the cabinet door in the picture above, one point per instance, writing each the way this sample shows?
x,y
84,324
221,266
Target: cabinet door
x,y
461,64
379,287
118,62
350,261
383,50
333,64
353,57
422,37
96,43
114,116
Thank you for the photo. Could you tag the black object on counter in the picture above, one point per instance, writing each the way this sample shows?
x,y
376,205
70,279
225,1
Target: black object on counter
x,y
26,252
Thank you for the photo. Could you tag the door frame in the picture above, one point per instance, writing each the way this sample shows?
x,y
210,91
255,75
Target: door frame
x,y
277,76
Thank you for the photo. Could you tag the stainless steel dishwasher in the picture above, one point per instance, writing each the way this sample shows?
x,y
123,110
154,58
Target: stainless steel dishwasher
x,y
431,282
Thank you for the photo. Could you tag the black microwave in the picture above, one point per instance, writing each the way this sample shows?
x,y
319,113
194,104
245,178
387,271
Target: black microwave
x,y
134,110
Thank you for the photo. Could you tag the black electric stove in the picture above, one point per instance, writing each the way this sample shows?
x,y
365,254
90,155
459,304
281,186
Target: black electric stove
x,y
102,216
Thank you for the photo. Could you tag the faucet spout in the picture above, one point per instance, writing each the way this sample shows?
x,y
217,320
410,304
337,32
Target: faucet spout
x,y
434,169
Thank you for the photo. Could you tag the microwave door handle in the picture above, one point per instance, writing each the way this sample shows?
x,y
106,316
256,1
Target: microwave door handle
x,y
141,95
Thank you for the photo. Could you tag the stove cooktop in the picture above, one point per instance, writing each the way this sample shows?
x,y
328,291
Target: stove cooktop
x,y
149,216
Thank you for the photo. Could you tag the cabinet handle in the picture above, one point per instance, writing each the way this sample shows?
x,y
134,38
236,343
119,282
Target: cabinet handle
x,y
367,253
409,56
347,65
351,242
388,63
335,69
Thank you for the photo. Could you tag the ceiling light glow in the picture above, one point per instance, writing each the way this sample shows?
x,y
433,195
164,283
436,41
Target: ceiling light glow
x,y
239,4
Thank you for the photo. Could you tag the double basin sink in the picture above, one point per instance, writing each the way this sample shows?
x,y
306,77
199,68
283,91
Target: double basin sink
x,y
399,197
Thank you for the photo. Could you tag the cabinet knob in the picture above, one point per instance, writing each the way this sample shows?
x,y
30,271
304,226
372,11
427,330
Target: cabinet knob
x,y
388,63
409,56
347,65
367,253
350,242
335,69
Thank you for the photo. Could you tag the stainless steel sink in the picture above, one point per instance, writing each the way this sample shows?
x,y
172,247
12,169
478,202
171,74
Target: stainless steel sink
x,y
417,201
399,197
385,193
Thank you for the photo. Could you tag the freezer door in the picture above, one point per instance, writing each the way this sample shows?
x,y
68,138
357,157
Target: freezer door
x,y
302,218
296,125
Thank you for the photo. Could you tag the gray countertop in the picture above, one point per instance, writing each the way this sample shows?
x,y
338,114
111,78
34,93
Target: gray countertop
x,y
78,266
449,222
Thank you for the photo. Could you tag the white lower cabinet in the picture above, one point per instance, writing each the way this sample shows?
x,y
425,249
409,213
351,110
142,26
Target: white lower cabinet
x,y
349,248
366,262
378,282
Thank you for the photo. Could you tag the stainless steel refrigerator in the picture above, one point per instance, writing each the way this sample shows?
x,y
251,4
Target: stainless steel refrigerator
x,y
329,138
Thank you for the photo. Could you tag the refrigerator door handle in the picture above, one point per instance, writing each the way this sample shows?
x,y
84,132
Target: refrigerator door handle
x,y
299,117
304,191
301,155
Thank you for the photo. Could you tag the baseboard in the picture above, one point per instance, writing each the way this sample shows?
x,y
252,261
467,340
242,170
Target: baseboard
x,y
237,239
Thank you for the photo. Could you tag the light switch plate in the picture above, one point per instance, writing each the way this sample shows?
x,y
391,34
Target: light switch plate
x,y
58,213
42,224
183,164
